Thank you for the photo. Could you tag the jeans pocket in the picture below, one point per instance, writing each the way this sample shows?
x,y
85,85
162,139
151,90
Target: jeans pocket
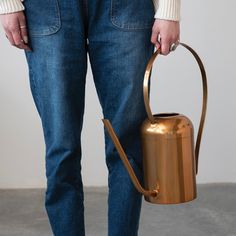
x,y
42,17
132,14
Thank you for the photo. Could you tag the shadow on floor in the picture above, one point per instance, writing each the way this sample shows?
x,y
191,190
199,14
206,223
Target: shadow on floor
x,y
213,213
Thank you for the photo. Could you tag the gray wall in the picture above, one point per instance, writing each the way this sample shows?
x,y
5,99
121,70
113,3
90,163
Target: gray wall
x,y
205,25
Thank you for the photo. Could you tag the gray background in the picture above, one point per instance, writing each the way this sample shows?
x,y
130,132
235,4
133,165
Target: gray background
x,y
176,87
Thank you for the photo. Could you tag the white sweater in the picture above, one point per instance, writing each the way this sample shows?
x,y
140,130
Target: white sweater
x,y
164,9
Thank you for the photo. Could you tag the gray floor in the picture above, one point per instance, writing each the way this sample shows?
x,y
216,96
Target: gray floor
x,y
213,213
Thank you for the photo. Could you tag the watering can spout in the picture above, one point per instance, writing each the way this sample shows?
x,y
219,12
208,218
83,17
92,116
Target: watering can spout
x,y
151,193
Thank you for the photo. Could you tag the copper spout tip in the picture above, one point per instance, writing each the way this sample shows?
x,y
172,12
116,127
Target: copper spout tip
x,y
155,193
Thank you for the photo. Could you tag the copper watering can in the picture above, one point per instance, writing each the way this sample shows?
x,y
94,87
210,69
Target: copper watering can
x,y
170,163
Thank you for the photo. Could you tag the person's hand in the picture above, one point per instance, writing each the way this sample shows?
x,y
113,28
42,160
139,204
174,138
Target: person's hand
x,y
169,32
14,25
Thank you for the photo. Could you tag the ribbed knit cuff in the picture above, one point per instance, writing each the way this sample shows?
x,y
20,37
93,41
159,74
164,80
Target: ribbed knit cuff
x,y
168,10
9,6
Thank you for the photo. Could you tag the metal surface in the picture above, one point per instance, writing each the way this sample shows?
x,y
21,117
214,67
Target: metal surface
x,y
169,160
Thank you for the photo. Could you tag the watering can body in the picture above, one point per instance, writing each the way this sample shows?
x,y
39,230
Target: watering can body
x,y
170,156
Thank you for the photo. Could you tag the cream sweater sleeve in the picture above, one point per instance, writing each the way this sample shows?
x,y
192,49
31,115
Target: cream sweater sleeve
x,y
9,6
167,9
164,9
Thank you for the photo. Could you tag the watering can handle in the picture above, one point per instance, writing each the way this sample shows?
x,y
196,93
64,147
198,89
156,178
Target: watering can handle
x,y
204,102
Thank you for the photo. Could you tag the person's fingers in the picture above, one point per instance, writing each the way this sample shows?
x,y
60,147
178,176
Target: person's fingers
x,y
157,45
17,38
23,33
19,42
154,38
23,28
13,31
23,45
165,46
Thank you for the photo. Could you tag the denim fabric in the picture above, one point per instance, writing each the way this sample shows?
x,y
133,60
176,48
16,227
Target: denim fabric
x,y
116,35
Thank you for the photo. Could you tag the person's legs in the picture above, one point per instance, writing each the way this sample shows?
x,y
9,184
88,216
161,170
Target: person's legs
x,y
119,48
57,72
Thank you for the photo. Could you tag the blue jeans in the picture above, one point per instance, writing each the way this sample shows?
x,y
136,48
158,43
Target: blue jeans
x,y
116,34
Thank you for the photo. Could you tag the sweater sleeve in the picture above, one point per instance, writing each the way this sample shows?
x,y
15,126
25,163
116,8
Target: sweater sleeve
x,y
167,9
9,6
